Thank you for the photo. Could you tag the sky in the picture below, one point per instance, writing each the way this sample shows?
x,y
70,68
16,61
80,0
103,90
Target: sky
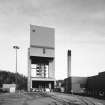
x,y
79,26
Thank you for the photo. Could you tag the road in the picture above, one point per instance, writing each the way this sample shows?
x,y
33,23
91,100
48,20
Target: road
x,y
47,99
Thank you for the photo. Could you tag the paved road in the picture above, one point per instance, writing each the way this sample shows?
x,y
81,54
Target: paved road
x,y
47,99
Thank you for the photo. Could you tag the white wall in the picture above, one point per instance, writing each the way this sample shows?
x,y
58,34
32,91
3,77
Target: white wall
x,y
39,52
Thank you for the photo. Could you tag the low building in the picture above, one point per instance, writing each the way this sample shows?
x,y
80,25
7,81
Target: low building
x,y
75,84
9,88
96,85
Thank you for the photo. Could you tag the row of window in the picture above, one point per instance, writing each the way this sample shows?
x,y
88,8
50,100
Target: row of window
x,y
39,70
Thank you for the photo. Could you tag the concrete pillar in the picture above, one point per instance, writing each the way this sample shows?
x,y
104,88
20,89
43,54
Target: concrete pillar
x,y
51,71
29,71
43,71
50,86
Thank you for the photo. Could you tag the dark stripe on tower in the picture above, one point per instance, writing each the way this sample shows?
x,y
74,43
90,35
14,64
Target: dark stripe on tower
x,y
69,52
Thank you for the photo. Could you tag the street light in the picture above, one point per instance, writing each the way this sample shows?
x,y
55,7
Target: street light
x,y
16,48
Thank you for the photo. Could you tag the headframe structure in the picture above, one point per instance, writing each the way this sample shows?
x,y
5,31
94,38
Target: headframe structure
x,y
41,58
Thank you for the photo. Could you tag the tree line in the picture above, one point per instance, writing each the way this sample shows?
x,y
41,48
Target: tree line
x,y
7,77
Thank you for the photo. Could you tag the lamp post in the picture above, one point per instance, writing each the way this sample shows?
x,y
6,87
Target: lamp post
x,y
16,48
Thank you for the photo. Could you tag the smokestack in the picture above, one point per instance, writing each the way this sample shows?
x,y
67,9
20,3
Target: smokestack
x,y
69,63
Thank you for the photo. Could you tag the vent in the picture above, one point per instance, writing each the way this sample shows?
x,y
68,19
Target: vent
x,y
33,30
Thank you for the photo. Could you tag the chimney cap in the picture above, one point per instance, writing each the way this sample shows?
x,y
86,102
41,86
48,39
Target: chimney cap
x,y
69,52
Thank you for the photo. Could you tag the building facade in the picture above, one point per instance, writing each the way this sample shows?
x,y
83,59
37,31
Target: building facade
x,y
75,84
96,85
41,58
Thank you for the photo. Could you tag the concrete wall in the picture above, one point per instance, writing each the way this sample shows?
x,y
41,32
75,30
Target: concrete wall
x,y
75,84
39,52
67,85
41,36
80,80
52,69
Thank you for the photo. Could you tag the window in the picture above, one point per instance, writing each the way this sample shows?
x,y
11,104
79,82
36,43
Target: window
x,y
39,70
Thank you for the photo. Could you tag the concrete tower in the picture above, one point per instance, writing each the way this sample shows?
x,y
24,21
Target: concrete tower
x,y
41,66
69,63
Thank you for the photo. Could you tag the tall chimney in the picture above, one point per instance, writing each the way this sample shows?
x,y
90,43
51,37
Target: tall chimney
x,y
69,63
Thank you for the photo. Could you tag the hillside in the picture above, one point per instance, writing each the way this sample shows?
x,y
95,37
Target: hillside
x,y
10,78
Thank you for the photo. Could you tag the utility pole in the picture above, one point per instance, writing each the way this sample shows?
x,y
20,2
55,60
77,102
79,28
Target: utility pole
x,y
16,48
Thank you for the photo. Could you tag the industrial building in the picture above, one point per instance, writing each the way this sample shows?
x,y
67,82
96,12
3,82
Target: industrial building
x,y
75,84
96,85
41,58
92,86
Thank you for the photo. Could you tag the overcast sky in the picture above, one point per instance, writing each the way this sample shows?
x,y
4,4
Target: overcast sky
x,y
79,26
